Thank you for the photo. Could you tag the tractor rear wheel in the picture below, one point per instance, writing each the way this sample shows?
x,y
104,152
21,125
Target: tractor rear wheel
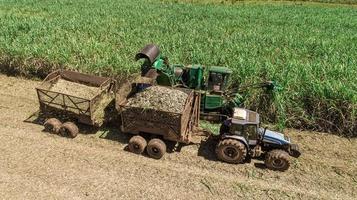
x,y
156,148
69,129
52,125
137,144
277,160
231,151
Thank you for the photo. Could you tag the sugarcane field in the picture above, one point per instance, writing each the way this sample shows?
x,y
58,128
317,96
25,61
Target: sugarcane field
x,y
184,99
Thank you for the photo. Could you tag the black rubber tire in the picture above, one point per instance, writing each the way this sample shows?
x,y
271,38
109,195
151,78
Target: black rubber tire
x,y
277,160
137,144
69,129
156,148
231,151
52,125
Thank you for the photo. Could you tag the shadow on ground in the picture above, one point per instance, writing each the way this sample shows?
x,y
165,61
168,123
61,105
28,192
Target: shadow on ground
x,y
207,148
111,131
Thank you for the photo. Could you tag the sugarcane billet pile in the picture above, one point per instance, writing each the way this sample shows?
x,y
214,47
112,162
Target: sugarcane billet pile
x,y
149,104
159,98
75,89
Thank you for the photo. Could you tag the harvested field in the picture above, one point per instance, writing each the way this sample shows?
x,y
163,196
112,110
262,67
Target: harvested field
x,y
75,89
161,98
37,165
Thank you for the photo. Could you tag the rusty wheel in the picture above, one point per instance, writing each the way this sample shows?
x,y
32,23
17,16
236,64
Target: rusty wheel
x,y
137,144
156,148
277,160
52,125
231,151
69,129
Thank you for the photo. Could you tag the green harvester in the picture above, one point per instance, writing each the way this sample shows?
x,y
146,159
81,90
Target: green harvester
x,y
218,99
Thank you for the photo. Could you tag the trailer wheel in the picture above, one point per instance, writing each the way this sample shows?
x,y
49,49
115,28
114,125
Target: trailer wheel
x,y
156,148
277,160
231,151
52,125
69,129
137,144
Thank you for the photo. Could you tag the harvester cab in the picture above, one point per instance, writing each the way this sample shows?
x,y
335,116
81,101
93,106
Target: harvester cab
x,y
241,139
218,78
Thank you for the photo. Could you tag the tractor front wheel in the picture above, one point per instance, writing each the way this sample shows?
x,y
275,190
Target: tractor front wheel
x,y
231,151
156,148
137,144
277,160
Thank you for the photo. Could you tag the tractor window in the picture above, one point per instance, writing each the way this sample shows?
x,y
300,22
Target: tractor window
x,y
251,131
236,129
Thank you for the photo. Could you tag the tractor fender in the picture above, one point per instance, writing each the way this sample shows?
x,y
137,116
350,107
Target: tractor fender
x,y
236,137
149,52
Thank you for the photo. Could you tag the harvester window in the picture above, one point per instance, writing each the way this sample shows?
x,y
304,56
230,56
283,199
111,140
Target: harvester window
x,y
215,81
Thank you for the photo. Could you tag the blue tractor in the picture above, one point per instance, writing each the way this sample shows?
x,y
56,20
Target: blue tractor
x,y
241,139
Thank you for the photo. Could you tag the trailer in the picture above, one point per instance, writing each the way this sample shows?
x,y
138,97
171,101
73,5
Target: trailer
x,y
159,125
79,97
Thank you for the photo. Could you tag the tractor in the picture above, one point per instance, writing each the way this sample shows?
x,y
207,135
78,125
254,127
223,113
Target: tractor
x,y
213,82
241,139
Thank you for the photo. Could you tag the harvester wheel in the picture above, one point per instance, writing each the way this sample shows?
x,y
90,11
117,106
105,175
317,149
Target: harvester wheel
x,y
277,160
156,148
137,144
52,125
69,129
231,151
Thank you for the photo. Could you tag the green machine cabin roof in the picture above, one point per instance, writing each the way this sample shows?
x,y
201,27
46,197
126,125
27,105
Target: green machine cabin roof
x,y
223,70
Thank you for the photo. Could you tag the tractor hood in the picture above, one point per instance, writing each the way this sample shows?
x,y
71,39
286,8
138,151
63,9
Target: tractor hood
x,y
274,137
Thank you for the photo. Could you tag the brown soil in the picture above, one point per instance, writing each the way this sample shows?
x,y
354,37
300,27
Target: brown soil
x,y
37,165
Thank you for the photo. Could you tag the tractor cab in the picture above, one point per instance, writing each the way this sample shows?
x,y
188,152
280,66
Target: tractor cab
x,y
242,139
218,78
245,123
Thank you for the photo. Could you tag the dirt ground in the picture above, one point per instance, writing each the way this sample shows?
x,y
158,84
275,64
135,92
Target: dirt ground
x,y
37,165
